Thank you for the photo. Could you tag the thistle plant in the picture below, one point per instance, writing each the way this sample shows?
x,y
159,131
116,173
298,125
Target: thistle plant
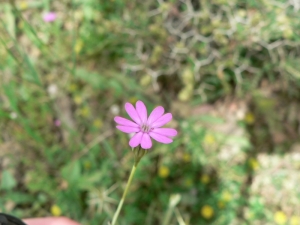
x,y
144,128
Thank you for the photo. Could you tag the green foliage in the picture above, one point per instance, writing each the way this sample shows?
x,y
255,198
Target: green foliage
x,y
8,181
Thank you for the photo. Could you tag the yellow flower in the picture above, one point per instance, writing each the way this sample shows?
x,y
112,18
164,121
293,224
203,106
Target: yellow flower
x,y
55,210
207,212
209,139
145,80
205,179
165,6
288,32
23,5
87,165
156,53
226,196
97,123
133,100
188,76
21,25
186,157
280,217
163,171
221,204
78,46
295,220
186,93
188,182
85,111
249,118
73,87
249,215
253,163
78,100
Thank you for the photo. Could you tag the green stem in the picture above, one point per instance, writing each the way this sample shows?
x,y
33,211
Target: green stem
x,y
124,195
168,216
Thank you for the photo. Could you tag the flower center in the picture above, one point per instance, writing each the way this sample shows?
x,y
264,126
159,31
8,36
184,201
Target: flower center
x,y
145,128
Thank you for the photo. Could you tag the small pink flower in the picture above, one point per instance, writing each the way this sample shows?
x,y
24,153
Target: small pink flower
x,y
57,123
49,17
144,127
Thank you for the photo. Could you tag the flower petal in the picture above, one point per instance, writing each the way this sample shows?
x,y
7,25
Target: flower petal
x,y
162,120
169,132
136,139
156,114
125,122
132,113
141,110
146,142
126,129
160,138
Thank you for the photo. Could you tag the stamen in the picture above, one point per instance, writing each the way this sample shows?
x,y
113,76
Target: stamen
x,y
145,128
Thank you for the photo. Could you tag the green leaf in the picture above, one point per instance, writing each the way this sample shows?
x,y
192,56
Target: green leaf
x,y
72,172
32,74
94,79
292,70
87,182
38,181
11,95
211,119
8,181
109,149
117,87
10,20
19,197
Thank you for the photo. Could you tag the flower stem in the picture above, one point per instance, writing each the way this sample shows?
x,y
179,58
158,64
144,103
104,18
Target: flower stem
x,y
124,195
168,216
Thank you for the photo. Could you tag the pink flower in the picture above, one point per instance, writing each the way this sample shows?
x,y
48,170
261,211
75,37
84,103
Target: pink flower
x,y
49,16
145,127
57,123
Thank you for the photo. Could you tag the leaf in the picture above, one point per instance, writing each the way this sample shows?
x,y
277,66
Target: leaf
x,y
19,197
211,119
109,149
72,172
39,182
32,75
87,182
294,72
8,181
32,132
10,20
11,95
93,79
291,65
117,87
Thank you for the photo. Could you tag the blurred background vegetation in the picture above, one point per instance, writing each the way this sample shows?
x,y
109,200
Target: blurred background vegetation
x,y
228,71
